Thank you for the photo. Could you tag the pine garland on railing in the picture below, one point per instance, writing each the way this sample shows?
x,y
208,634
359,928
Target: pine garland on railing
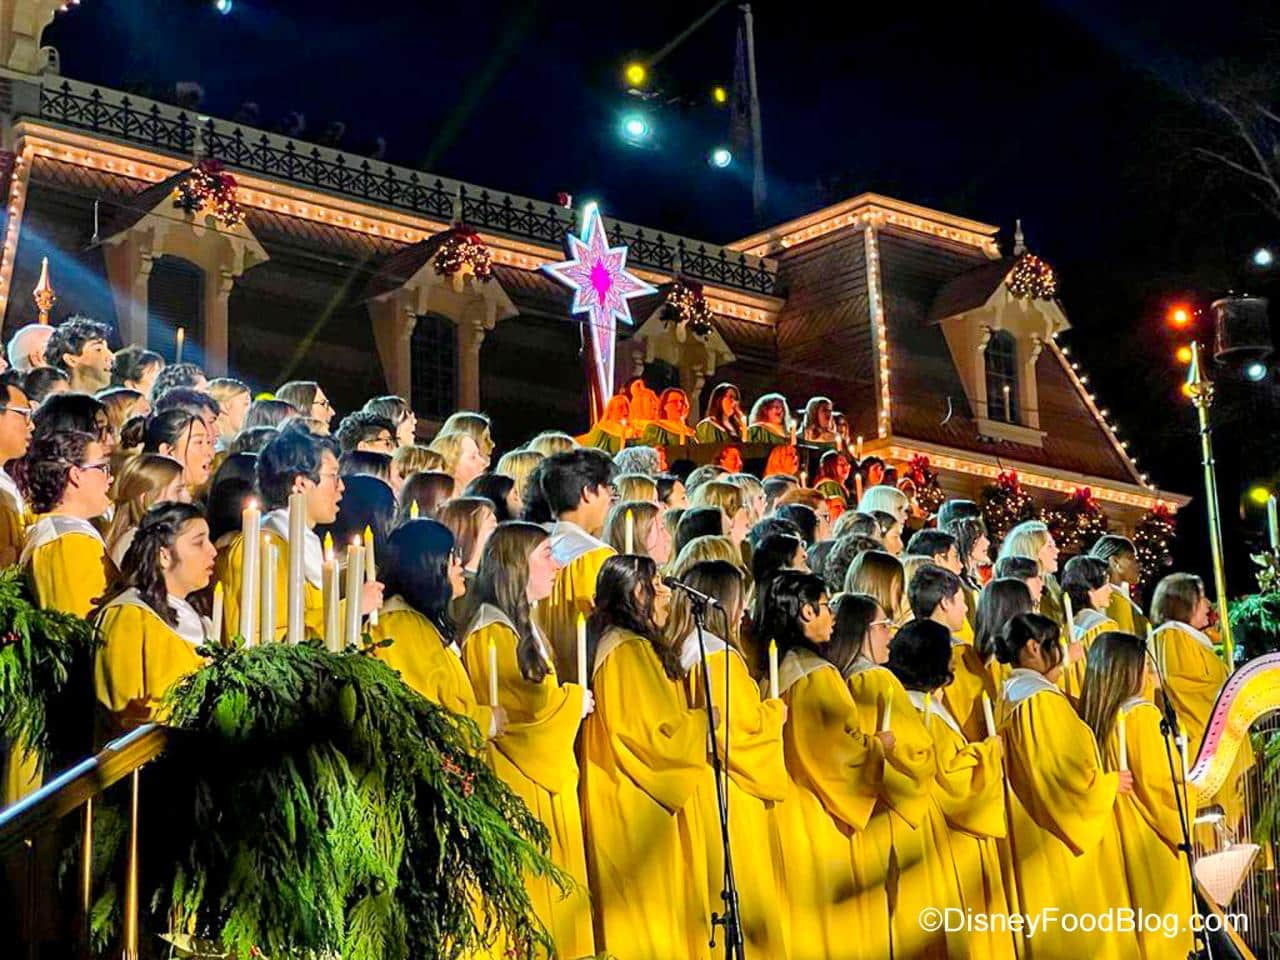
x,y
314,805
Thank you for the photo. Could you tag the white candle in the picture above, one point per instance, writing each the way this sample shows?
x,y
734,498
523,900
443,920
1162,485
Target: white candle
x,y
355,586
857,452
1070,617
250,526
857,486
773,669
493,672
177,353
267,624
804,478
1273,523
887,716
986,712
370,570
1121,734
332,590
629,535
215,622
296,599
1182,747
583,679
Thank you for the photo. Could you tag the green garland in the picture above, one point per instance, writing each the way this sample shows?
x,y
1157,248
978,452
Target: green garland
x,y
46,674
314,805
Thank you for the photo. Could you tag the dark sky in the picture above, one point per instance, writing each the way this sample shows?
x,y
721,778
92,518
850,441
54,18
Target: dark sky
x,y
1072,116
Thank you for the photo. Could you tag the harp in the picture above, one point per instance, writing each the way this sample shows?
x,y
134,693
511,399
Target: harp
x,y
1235,875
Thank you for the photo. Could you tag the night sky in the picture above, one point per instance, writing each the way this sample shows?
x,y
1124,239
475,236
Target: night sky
x,y
1077,117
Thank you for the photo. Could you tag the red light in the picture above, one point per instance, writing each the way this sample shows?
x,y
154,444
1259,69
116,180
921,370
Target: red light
x,y
1179,316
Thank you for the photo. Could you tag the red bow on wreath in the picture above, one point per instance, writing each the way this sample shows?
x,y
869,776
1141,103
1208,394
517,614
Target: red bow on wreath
x,y
213,168
1009,482
1162,511
918,469
1082,498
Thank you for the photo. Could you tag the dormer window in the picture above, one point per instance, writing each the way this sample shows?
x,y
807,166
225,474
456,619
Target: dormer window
x,y
1002,377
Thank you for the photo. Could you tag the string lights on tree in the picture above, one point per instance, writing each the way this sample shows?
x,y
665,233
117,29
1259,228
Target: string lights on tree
x,y
211,191
1032,279
1078,522
1005,504
686,305
463,254
1152,538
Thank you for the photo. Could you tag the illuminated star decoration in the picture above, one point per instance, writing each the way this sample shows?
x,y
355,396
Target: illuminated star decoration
x,y
602,287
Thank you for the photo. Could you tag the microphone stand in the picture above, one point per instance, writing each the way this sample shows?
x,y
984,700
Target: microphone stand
x,y
1201,948
731,919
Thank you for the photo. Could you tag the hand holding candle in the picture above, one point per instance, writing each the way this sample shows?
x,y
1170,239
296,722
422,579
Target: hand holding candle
x,y
773,669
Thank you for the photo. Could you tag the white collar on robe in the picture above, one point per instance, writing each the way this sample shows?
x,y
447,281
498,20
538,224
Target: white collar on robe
x,y
1123,587
1024,684
797,665
277,521
570,541
191,627
918,699
1087,620
9,488
1199,636
1134,702
690,655
488,615
861,664
50,527
613,638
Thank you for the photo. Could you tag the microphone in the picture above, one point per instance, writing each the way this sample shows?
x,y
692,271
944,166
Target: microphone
x,y
697,595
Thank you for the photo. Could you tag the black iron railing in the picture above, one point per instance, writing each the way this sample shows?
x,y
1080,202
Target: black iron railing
x,y
159,126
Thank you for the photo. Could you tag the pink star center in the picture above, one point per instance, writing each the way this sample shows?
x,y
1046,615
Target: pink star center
x,y
601,279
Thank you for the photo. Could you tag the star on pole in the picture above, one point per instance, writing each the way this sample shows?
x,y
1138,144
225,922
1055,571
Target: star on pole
x,y
602,286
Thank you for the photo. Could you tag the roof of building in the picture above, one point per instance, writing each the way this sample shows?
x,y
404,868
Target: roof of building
x,y
971,289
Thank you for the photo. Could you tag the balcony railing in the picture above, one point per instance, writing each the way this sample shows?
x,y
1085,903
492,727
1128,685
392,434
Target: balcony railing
x,y
143,122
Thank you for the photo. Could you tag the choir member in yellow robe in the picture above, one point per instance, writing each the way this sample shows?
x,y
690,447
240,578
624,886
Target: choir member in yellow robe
x,y
1032,540
1192,673
294,461
750,737
63,555
1157,873
15,436
578,488
150,632
644,755
535,755
423,572
1061,802
1086,583
1124,571
837,768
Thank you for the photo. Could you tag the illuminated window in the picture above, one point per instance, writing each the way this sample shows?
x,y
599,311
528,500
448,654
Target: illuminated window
x,y
434,358
1002,377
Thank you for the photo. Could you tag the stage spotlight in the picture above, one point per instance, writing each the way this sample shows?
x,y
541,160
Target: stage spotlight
x,y
636,128
1255,370
223,6
1262,257
1179,316
720,157
1183,354
1259,495
636,75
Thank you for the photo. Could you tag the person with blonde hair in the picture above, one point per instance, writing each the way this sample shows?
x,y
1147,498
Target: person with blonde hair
x,y
464,458
1032,539
310,401
886,499
752,494
880,576
650,537
770,421
145,480
415,458
473,425
636,486
729,498
704,550
535,757
234,399
550,442
122,405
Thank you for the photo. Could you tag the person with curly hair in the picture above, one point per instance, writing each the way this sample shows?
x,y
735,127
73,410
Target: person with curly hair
x,y
151,634
68,477
79,348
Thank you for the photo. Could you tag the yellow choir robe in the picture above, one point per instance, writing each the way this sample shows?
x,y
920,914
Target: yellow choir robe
x,y
1193,675
919,871
1150,830
644,755
836,771
229,572
65,561
757,780
427,663
1127,614
1089,625
142,657
535,758
580,556
1062,830
13,520
969,787
963,695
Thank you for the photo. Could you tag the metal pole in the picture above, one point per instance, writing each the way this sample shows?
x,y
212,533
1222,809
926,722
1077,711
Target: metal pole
x,y
757,135
1201,390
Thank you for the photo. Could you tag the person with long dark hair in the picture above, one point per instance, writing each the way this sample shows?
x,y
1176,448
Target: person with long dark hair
x,y
752,744
724,422
150,632
1086,583
999,602
644,755
1061,799
421,573
535,756
499,490
1117,676
837,771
